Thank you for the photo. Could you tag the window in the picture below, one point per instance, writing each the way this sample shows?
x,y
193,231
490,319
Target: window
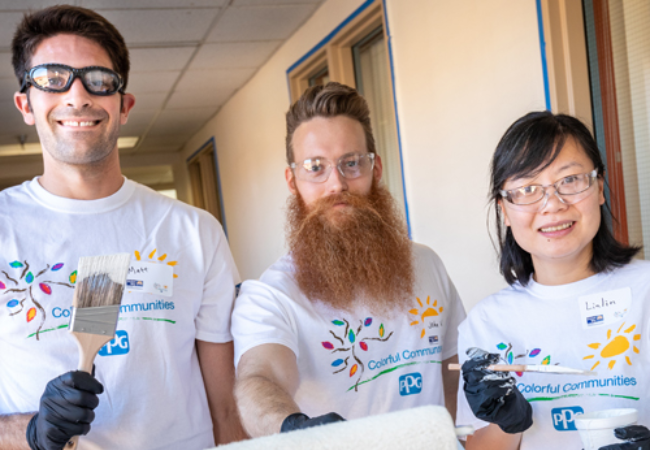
x,y
204,181
373,82
356,54
618,41
605,45
320,78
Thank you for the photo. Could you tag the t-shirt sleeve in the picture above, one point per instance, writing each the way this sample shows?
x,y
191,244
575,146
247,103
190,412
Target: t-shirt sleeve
x,y
213,318
467,337
261,317
455,318
455,311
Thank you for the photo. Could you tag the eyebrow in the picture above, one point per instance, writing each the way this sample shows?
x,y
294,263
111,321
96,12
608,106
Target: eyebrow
x,y
342,156
564,167
569,165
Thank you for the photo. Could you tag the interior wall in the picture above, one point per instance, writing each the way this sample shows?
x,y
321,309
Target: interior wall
x,y
464,70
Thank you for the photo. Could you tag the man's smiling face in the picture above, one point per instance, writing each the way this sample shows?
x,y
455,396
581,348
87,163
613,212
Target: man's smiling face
x,y
74,127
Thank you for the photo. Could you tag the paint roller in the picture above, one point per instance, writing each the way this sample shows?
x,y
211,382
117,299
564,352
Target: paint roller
x,y
426,427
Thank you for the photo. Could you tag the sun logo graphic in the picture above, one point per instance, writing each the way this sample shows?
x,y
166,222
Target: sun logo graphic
x,y
156,259
425,311
616,346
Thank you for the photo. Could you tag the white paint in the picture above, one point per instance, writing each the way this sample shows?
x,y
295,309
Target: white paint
x,y
464,70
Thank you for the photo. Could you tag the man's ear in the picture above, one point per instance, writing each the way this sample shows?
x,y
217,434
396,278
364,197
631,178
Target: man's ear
x,y
506,221
291,180
22,104
128,102
378,170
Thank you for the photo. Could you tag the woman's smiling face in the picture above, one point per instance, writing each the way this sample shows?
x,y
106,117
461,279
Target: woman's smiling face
x,y
557,232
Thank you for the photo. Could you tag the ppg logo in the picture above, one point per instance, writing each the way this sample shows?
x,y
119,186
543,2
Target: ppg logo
x,y
410,384
118,346
564,418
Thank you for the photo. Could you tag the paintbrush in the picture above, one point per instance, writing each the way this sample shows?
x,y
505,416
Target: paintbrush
x,y
96,306
531,368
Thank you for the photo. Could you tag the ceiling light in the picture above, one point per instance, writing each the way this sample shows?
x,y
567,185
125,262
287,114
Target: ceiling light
x,y
127,141
35,149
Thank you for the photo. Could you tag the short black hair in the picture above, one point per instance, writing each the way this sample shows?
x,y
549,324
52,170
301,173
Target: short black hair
x,y
65,19
530,145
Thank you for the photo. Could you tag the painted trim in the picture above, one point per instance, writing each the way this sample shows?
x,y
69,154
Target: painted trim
x,y
542,46
389,39
213,142
330,36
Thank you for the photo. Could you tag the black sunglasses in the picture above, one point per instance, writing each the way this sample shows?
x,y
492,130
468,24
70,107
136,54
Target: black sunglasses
x,y
58,78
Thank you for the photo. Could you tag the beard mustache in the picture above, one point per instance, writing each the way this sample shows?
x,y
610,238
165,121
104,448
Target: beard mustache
x,y
356,255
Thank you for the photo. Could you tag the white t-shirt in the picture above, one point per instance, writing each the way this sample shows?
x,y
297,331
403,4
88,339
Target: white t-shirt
x,y
599,323
356,364
154,396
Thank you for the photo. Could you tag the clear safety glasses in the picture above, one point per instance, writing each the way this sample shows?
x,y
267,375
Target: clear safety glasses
x,y
317,170
567,190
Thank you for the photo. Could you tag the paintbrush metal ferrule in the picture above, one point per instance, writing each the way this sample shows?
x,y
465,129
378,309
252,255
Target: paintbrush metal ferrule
x,y
99,320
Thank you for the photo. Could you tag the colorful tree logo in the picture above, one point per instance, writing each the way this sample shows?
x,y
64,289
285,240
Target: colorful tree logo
x,y
424,312
616,346
24,282
349,341
509,357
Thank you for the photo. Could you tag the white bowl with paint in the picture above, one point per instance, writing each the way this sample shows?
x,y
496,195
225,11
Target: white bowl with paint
x,y
597,428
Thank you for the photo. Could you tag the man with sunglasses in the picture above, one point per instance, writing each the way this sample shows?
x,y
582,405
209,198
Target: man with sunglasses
x,y
166,380
356,320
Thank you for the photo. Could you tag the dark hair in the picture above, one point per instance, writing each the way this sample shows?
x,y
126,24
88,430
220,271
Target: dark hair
x,y
530,145
65,19
333,99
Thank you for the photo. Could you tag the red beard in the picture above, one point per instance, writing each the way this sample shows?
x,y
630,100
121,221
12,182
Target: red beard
x,y
355,255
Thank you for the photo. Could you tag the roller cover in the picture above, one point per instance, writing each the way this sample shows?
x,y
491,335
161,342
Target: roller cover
x,y
426,428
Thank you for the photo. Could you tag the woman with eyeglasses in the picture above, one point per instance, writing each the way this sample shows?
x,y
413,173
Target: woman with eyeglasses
x,y
576,298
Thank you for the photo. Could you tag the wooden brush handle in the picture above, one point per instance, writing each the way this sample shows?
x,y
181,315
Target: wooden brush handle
x,y
496,367
89,345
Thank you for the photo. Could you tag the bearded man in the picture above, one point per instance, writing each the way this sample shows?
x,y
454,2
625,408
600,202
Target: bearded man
x,y
356,319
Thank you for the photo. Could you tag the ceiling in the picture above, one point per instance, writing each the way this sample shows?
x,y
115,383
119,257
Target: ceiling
x,y
188,57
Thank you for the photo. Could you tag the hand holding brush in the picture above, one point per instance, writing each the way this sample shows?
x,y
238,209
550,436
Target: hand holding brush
x,y
96,301
493,396
66,407
65,410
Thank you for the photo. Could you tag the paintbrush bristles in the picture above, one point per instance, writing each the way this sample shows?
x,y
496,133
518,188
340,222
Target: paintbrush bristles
x,y
101,280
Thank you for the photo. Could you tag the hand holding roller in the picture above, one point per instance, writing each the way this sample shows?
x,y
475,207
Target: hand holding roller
x,y
424,428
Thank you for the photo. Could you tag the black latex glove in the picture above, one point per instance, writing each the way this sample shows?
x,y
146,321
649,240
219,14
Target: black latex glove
x,y
300,421
493,396
637,437
66,410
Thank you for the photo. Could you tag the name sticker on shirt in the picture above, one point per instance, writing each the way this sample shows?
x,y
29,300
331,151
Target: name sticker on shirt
x,y
150,278
604,308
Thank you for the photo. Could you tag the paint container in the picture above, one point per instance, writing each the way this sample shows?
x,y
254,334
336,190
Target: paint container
x,y
597,428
